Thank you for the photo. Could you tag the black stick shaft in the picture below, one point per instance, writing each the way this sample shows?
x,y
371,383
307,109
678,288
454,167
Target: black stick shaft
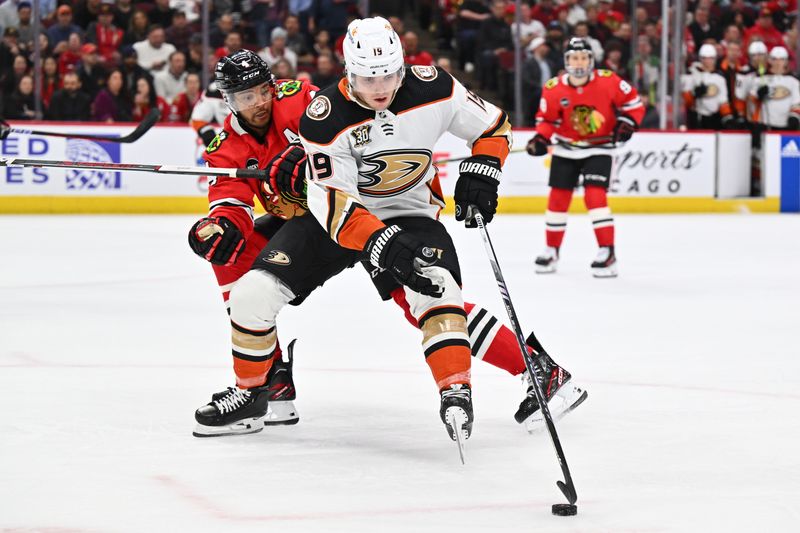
x,y
567,487
148,122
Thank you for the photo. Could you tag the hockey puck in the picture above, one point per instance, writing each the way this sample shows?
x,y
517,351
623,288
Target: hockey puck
x,y
565,509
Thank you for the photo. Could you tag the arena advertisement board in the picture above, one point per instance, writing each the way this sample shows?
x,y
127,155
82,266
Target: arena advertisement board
x,y
650,165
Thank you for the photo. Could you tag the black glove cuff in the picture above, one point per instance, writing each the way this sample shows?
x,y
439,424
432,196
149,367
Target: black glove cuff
x,y
377,243
482,167
625,119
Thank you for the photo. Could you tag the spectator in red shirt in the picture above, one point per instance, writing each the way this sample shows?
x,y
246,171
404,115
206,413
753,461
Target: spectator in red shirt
x,y
414,56
70,57
181,108
544,12
105,35
146,99
764,31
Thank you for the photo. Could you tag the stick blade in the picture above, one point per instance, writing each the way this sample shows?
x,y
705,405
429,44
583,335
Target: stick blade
x,y
568,491
149,120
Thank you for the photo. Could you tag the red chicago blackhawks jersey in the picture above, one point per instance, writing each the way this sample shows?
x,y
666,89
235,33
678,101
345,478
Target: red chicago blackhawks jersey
x,y
571,113
234,147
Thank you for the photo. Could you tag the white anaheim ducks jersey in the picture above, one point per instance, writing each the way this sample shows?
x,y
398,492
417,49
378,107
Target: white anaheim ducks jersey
x,y
370,166
716,96
783,100
744,83
211,108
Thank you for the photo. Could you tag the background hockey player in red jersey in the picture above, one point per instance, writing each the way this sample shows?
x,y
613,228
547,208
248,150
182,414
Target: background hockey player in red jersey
x,y
586,112
230,240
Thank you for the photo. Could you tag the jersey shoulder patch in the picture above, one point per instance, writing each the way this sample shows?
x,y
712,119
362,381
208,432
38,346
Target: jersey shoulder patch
x,y
422,87
552,82
216,142
604,73
329,114
286,88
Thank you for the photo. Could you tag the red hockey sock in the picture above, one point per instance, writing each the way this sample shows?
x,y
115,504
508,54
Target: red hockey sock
x,y
227,275
603,223
492,341
555,218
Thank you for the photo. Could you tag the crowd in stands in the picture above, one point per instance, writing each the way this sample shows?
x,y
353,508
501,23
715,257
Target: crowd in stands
x,y
115,60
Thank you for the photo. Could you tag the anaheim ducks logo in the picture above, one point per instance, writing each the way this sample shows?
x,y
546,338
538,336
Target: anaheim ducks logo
x,y
712,91
393,172
779,92
586,120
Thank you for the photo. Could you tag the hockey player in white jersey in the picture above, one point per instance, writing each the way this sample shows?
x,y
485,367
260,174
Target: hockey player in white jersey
x,y
375,197
706,93
776,96
756,68
209,110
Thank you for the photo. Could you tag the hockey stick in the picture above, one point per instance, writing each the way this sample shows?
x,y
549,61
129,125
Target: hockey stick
x,y
457,159
594,142
151,118
567,486
133,167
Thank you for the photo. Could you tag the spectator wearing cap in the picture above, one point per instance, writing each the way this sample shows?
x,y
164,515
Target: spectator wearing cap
x,y
528,28
765,31
325,73
138,27
413,55
70,103
21,104
471,15
536,70
130,69
179,33
277,49
89,69
61,30
171,81
153,52
494,38
9,15
112,103
266,16
105,35
86,12
123,9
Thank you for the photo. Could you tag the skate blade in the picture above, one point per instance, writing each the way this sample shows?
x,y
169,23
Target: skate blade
x,y
281,414
559,405
243,427
456,418
540,269
607,272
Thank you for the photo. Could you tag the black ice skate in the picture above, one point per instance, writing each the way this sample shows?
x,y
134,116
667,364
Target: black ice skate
x,y
456,413
605,264
234,412
281,410
562,395
547,262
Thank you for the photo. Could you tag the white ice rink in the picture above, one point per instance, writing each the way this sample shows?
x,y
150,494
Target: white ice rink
x,y
112,333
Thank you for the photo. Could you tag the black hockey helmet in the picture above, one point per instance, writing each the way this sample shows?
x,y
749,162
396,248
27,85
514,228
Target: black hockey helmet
x,y
578,44
239,72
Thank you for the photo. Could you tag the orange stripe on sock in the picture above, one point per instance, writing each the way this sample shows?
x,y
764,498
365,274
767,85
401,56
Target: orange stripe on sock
x,y
450,365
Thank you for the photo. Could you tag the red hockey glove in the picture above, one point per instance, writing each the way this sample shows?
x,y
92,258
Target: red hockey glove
x,y
624,129
217,240
537,145
287,171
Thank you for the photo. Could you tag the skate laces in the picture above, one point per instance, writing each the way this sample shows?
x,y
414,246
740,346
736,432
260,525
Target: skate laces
x,y
235,398
461,391
603,254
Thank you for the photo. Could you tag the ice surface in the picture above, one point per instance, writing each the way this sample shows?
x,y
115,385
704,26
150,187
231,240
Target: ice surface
x,y
112,333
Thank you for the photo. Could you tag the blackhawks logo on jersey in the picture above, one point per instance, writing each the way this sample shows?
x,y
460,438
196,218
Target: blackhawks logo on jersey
x,y
586,120
287,88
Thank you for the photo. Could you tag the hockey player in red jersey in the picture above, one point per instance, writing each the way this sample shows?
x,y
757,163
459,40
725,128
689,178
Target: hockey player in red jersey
x,y
586,112
259,134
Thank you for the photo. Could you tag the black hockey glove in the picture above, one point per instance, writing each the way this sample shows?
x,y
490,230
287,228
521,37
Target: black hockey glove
x,y
5,129
287,171
400,253
479,177
206,134
217,240
624,129
537,146
701,90
762,93
793,123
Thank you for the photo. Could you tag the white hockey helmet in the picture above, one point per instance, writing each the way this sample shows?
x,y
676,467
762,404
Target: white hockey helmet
x,y
707,50
372,49
757,47
779,52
